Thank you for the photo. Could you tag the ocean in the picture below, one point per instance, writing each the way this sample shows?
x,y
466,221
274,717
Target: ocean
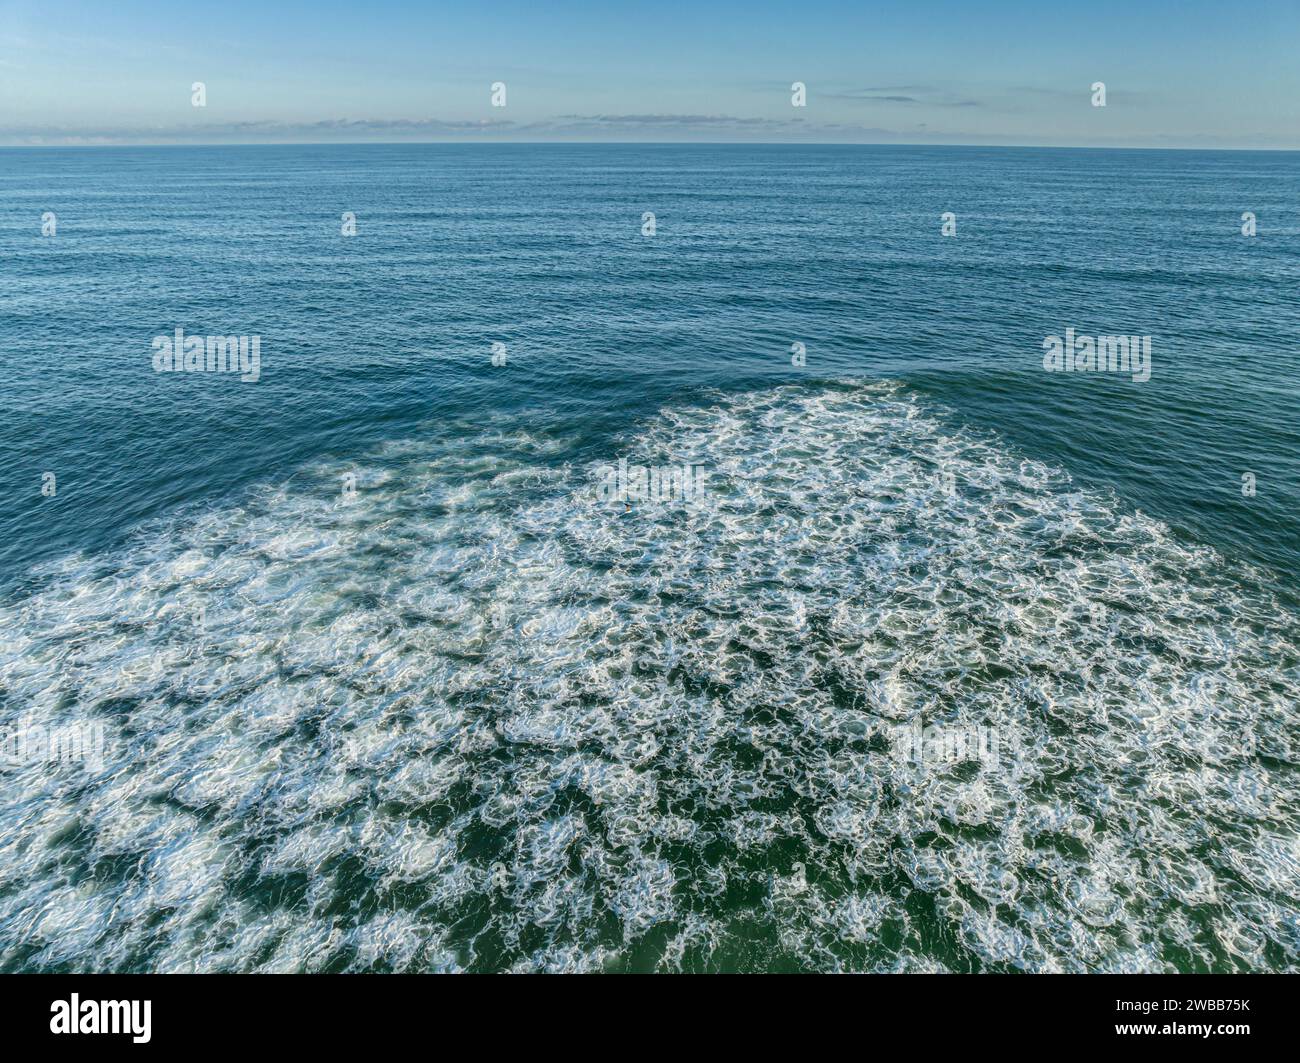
x,y
952,663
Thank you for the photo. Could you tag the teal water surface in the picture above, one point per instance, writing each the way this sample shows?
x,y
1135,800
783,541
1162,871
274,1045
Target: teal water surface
x,y
469,715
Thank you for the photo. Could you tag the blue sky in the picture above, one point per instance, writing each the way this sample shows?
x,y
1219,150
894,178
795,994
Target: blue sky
x,y
1178,74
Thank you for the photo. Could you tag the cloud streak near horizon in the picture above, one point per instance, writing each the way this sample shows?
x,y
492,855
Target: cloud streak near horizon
x,y
901,72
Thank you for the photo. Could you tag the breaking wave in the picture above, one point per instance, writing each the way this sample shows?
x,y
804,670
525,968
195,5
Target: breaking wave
x,y
478,718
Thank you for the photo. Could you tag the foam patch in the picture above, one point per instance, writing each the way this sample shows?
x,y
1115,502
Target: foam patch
x,y
478,718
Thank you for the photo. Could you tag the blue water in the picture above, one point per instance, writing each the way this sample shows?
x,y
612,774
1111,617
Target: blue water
x,y
539,247
628,731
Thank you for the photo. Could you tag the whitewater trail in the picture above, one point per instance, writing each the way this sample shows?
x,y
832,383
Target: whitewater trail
x,y
477,718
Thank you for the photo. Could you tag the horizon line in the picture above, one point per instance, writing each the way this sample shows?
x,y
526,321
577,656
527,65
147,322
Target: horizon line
x,y
623,143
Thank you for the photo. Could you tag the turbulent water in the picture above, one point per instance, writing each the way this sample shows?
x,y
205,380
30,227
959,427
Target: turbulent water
x,y
951,664
474,717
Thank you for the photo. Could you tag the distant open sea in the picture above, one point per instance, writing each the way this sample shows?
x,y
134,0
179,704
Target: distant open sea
x,y
385,684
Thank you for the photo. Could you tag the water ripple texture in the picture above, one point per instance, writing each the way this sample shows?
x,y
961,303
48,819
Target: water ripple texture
x,y
475,717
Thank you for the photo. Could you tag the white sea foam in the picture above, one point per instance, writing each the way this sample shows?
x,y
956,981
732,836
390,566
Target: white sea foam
x,y
475,718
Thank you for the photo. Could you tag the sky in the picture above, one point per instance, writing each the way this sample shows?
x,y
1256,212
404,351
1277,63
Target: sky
x,y
1189,73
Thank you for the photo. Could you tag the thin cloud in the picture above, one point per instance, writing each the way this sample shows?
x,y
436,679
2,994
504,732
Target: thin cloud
x,y
867,96
665,119
593,128
917,96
